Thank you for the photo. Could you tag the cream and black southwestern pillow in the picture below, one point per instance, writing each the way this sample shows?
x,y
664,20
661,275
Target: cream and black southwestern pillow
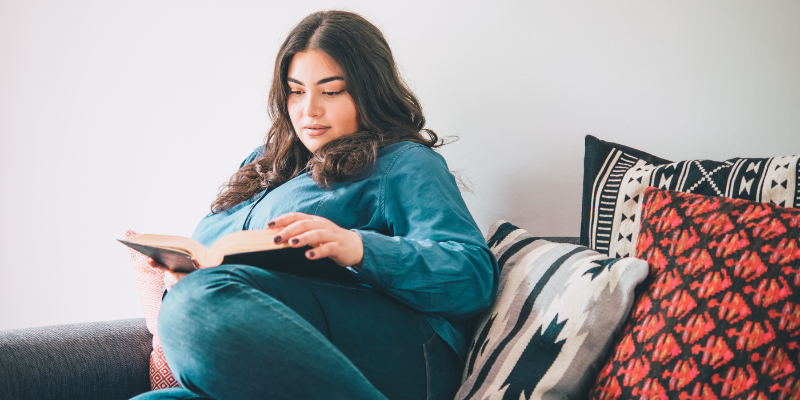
x,y
557,311
615,177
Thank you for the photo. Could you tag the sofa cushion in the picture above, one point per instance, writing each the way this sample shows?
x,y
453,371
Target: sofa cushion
x,y
615,177
719,316
88,361
151,283
557,310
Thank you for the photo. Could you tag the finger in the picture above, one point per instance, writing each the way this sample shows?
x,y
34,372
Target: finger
x,y
171,278
299,227
286,219
314,238
176,275
324,250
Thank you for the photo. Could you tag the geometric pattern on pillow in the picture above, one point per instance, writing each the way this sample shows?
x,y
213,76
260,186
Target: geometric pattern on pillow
x,y
553,321
151,283
614,184
719,316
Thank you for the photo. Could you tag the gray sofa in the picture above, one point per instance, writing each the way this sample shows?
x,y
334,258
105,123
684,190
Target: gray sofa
x,y
99,360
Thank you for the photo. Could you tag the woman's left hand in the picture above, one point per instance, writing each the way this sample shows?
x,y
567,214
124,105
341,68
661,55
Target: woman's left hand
x,y
343,246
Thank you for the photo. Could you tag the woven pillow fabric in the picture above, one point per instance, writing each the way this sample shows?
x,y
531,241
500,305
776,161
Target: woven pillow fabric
x,y
150,282
553,322
720,314
616,176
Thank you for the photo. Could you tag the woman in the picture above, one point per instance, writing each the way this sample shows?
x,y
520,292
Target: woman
x,y
345,170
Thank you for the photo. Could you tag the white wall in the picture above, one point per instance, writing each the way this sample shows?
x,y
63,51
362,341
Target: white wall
x,y
129,115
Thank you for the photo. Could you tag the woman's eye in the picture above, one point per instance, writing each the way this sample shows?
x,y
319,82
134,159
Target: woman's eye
x,y
295,92
333,93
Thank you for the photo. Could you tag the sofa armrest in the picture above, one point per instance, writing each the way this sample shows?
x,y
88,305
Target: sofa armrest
x,y
97,360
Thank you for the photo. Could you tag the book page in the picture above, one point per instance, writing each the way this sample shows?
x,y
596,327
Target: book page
x,y
241,242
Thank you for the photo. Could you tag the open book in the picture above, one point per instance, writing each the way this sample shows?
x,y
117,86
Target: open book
x,y
256,248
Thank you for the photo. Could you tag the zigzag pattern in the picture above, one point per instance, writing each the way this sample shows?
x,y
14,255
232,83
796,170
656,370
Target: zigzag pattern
x,y
555,316
615,201
719,317
151,282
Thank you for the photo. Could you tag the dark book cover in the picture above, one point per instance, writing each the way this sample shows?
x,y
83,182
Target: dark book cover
x,y
175,260
293,261
288,260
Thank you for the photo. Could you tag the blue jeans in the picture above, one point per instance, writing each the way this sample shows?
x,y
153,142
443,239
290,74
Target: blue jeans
x,y
241,332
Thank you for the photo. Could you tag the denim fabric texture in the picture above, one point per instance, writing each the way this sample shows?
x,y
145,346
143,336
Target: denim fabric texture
x,y
421,244
241,332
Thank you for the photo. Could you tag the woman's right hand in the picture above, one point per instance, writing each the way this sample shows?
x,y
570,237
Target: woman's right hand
x,y
170,277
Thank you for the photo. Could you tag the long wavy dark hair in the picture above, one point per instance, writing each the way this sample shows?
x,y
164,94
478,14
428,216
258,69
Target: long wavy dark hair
x,y
388,111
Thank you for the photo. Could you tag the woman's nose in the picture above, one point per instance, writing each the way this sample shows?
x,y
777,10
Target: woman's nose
x,y
313,107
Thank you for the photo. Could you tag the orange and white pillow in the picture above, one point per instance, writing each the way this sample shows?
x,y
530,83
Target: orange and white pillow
x,y
151,283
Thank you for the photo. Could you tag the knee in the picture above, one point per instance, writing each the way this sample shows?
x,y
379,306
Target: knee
x,y
207,305
197,319
195,301
214,318
190,293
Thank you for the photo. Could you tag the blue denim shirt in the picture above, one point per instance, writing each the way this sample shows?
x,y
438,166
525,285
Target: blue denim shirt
x,y
421,245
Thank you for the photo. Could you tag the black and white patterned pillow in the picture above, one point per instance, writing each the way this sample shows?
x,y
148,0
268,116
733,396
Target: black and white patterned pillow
x,y
615,177
557,311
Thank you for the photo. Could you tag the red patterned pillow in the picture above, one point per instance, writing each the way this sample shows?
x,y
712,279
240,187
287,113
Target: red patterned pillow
x,y
151,283
719,317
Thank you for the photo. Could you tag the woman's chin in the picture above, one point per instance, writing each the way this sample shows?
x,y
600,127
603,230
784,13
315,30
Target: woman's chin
x,y
312,144
314,141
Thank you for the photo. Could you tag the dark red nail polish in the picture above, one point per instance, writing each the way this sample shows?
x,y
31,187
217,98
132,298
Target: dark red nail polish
x,y
295,241
311,254
271,224
277,239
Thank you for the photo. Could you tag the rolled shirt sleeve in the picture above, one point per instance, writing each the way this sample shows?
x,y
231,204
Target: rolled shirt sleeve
x,y
429,252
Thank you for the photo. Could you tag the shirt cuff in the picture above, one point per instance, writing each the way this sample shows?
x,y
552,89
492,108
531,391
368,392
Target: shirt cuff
x,y
380,258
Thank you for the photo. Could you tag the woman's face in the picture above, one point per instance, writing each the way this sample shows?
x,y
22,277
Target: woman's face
x,y
319,106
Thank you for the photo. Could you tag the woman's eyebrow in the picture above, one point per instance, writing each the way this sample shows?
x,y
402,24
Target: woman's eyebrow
x,y
333,78
320,82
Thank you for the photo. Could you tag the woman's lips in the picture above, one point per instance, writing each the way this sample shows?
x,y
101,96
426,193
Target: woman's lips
x,y
315,129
